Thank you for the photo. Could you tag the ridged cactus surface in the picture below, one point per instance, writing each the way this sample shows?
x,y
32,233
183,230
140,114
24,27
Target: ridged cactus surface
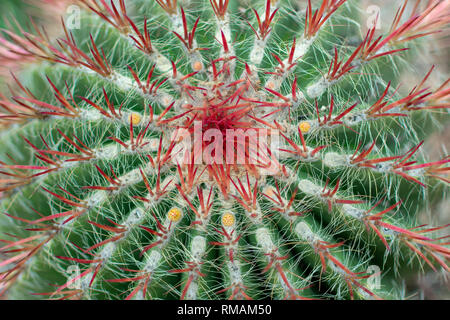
x,y
220,149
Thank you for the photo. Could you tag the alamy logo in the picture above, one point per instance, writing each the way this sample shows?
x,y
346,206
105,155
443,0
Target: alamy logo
x,y
373,21
73,19
374,281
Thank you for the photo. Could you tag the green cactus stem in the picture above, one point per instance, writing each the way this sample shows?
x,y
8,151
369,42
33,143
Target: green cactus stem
x,y
220,150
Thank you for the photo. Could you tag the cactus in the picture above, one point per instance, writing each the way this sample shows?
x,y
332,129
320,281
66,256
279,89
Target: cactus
x,y
20,13
220,150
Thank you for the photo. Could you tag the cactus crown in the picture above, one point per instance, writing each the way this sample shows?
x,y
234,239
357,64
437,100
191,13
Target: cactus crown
x,y
205,150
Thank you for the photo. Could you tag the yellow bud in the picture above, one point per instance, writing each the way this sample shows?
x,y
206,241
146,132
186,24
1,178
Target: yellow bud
x,y
304,126
198,66
174,214
228,219
135,119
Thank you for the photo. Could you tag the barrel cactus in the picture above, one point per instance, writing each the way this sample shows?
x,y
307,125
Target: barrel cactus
x,y
220,149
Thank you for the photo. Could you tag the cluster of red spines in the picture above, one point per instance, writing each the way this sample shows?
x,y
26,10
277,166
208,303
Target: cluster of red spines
x,y
401,164
280,204
170,6
322,249
203,212
183,85
315,21
193,268
413,239
188,38
328,120
12,56
352,281
220,174
420,24
247,197
328,195
49,157
283,69
17,111
95,265
264,25
287,102
98,63
162,157
28,47
47,227
190,179
114,181
416,242
65,290
51,162
436,169
85,154
225,62
148,87
275,263
119,19
361,160
437,99
370,48
79,207
14,178
158,192
338,68
64,108
32,46
53,159
143,279
220,7
301,151
383,108
229,242
117,229
237,292
161,233
23,249
134,144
